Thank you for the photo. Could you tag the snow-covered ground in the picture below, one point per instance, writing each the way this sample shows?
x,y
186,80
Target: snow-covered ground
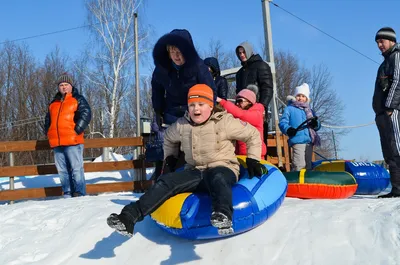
x,y
359,230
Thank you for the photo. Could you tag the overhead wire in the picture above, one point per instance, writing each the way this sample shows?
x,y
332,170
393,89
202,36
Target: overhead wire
x,y
45,34
341,42
325,33
56,32
18,121
274,4
12,125
335,126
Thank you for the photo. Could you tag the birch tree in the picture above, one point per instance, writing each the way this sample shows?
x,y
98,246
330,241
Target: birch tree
x,y
112,56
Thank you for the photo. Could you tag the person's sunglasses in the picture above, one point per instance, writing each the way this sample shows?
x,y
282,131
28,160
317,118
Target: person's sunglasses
x,y
240,100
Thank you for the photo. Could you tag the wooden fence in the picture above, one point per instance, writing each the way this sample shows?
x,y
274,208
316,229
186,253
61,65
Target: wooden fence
x,y
30,170
139,165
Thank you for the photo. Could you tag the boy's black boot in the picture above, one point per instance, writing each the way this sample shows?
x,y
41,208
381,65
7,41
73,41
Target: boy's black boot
x,y
222,222
124,222
121,224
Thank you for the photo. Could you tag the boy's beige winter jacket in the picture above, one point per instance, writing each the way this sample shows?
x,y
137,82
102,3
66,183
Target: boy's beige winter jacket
x,y
212,143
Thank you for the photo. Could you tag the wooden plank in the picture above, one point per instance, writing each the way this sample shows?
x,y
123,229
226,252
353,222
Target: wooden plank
x,y
286,153
33,170
272,142
313,156
108,166
19,146
274,160
113,142
36,193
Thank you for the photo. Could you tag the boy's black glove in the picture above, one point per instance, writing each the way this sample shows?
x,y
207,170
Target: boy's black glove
x,y
171,162
291,131
255,168
313,123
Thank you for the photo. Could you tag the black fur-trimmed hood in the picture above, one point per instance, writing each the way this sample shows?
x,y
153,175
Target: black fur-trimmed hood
x,y
180,38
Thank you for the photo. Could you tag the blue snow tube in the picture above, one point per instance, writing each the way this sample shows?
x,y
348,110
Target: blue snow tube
x,y
371,178
187,215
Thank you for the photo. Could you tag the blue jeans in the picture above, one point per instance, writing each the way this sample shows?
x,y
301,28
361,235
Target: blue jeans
x,y
69,163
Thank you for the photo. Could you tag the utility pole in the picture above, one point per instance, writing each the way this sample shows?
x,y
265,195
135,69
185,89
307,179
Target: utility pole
x,y
137,77
140,173
334,144
269,53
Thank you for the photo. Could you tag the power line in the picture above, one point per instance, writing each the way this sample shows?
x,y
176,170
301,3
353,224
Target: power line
x,y
56,32
46,34
21,124
347,127
334,126
327,34
18,121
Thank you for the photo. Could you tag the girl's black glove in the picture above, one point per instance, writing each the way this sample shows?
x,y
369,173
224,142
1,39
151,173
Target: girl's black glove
x,y
313,123
291,131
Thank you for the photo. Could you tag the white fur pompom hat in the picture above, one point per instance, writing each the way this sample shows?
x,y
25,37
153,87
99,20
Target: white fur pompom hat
x,y
303,89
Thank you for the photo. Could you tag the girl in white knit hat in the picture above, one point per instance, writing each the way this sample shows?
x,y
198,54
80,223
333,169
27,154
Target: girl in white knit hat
x,y
299,122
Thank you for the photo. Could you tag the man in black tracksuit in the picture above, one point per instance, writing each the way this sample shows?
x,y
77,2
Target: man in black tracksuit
x,y
386,104
255,71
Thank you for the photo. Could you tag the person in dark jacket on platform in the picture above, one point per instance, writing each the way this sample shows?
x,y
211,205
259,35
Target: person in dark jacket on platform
x,y
255,71
178,67
386,105
220,82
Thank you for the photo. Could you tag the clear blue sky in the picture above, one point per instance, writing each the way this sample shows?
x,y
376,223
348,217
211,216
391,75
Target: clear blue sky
x,y
355,22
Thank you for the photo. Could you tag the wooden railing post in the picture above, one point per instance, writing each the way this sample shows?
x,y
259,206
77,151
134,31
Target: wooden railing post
x,y
11,157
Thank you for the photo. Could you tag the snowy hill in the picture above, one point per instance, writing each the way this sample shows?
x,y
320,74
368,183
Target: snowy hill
x,y
74,231
360,230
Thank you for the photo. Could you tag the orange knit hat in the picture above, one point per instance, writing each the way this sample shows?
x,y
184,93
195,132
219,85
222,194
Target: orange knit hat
x,y
201,93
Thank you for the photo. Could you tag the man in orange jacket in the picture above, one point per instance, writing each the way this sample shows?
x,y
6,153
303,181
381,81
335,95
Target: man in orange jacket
x,y
68,116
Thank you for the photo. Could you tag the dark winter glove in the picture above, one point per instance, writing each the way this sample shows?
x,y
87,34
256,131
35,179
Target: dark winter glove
x,y
157,130
171,162
291,131
78,130
313,123
255,168
159,119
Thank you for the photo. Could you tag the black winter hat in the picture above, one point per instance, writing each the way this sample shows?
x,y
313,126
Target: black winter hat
x,y
65,78
386,33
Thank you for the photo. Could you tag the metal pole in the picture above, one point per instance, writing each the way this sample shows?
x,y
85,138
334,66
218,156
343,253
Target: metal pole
x,y
141,172
11,157
334,144
269,53
137,77
106,154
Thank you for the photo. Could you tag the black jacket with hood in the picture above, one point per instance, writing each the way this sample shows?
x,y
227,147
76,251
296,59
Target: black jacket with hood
x,y
256,72
171,83
387,86
220,82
